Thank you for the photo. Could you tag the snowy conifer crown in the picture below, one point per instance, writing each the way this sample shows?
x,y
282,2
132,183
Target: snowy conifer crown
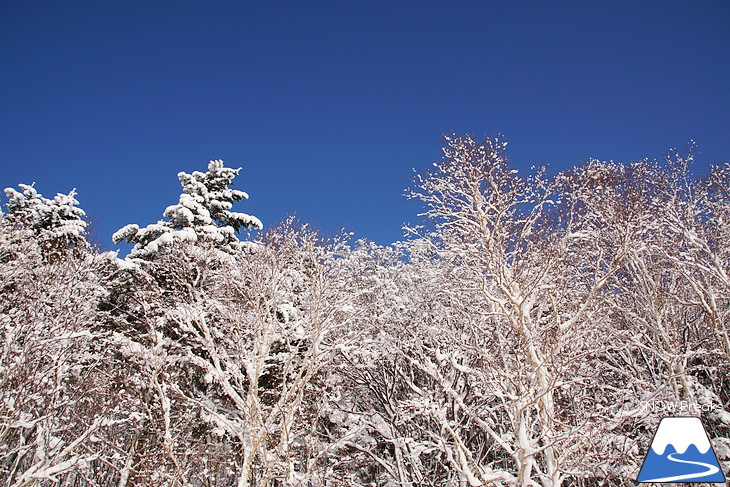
x,y
202,213
58,219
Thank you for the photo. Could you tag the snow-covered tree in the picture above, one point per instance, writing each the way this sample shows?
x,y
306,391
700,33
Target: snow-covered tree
x,y
56,223
238,351
202,214
69,412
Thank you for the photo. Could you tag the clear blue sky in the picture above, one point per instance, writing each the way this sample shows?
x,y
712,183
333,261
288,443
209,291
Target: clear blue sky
x,y
330,105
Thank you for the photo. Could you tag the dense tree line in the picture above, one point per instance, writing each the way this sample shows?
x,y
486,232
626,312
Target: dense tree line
x,y
531,331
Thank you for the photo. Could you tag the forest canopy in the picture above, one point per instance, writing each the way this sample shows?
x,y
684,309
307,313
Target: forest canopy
x,y
532,330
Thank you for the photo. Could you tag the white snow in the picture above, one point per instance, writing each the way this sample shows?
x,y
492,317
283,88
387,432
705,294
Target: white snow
x,y
680,432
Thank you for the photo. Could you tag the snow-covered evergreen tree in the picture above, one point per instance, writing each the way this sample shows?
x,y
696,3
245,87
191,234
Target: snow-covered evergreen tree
x,y
58,223
202,213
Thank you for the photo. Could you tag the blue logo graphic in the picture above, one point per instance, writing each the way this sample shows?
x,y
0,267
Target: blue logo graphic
x,y
681,452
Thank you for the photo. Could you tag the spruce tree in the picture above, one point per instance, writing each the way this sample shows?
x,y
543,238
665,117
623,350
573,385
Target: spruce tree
x,y
201,214
57,223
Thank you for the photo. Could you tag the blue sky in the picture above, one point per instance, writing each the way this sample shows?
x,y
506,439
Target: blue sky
x,y
329,106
